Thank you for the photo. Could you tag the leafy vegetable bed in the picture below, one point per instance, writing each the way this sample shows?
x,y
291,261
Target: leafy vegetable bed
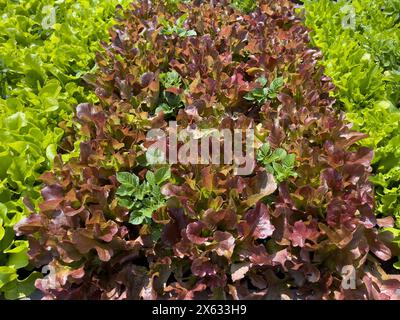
x,y
88,204
45,48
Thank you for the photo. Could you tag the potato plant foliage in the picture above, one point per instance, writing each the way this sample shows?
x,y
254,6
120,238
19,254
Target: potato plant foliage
x,y
220,235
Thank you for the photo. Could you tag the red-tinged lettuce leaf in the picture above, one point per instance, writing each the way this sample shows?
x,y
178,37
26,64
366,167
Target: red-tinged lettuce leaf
x,y
194,232
257,223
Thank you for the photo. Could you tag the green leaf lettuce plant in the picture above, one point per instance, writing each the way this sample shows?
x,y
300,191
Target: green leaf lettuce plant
x,y
46,47
360,42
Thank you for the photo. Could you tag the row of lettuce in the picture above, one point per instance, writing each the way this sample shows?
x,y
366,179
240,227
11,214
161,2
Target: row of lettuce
x,y
360,41
46,47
